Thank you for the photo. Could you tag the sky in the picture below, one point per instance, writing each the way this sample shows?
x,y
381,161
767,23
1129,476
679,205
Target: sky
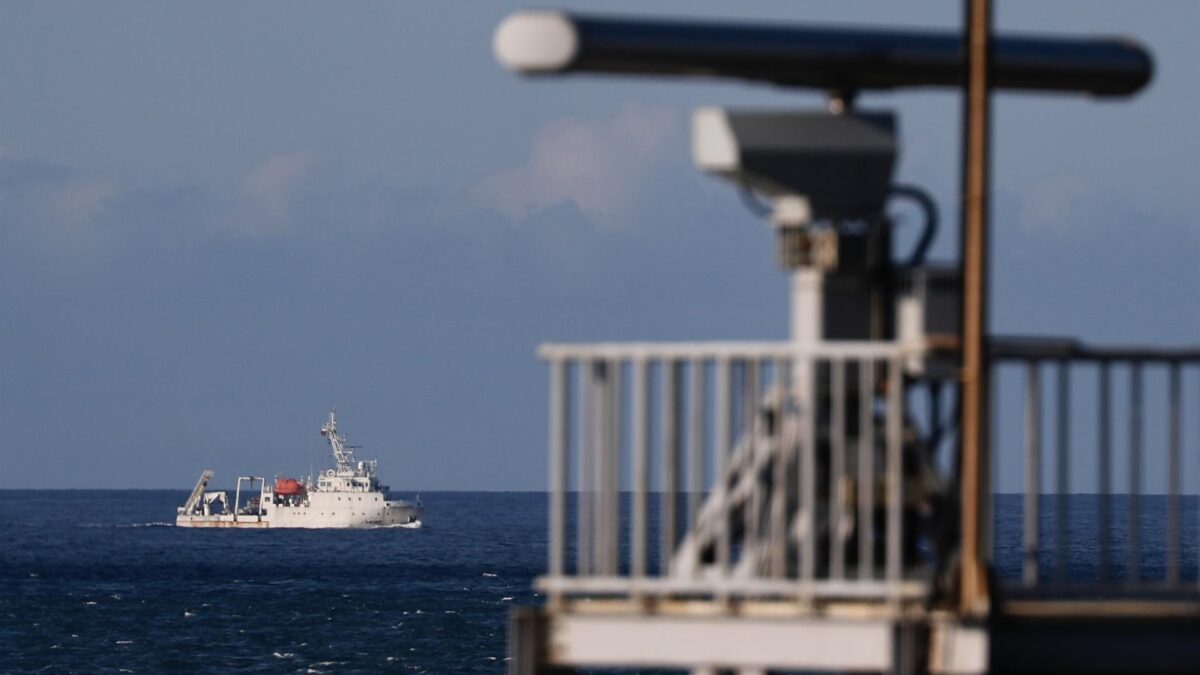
x,y
218,220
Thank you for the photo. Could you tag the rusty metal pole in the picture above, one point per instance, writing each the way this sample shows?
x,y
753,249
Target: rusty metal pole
x,y
973,592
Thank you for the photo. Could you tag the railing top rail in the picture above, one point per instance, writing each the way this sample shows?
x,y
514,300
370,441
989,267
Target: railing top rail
x,y
730,350
1039,348
1001,347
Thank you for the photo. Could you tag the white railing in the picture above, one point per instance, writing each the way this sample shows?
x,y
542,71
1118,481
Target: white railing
x,y
729,469
1049,534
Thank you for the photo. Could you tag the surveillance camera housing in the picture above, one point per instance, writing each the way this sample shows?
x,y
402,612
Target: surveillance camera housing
x,y
842,164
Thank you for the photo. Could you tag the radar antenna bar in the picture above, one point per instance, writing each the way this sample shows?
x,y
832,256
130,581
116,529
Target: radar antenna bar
x,y
840,60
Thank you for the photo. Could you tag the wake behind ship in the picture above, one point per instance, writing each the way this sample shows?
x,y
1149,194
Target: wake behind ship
x,y
346,496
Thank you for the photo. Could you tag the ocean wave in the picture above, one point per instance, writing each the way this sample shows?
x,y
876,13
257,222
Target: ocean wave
x,y
415,525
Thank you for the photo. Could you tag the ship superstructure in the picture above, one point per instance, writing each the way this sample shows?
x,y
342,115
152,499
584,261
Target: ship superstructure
x,y
348,495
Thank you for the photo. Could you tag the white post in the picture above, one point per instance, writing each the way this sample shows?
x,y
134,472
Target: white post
x,y
807,310
237,498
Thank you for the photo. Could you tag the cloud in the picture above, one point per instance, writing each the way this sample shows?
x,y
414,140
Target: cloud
x,y
268,192
1053,203
53,206
601,167
79,202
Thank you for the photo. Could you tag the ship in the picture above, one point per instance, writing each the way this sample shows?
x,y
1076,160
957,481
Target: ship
x,y
349,495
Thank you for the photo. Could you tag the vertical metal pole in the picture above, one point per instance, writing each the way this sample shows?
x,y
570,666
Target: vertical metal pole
x,y
837,468
1105,468
1062,471
976,112
587,451
695,441
237,498
750,431
1173,469
640,409
671,375
1033,485
895,471
721,449
779,462
1135,474
602,457
612,477
807,468
559,439
866,469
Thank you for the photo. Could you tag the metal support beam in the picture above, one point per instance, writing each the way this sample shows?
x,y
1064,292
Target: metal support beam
x,y
973,593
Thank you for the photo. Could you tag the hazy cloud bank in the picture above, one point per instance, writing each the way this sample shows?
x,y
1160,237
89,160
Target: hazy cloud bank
x,y
605,168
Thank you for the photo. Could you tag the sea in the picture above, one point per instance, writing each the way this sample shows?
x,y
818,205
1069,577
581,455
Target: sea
x,y
101,581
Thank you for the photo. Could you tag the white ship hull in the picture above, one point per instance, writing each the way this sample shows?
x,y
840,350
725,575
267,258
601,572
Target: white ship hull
x,y
325,510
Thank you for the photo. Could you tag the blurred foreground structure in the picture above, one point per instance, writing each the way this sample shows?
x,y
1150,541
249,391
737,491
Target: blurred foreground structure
x,y
823,503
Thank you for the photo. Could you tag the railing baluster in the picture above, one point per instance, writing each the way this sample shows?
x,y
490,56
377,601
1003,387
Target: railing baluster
x,y
866,469
721,450
695,441
612,549
559,439
603,456
1062,471
894,470
583,527
753,509
669,518
1105,422
807,465
640,409
1033,485
988,468
837,467
607,443
779,490
1173,471
1135,473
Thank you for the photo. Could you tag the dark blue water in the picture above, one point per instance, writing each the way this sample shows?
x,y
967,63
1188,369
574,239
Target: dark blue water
x,y
98,581
1083,540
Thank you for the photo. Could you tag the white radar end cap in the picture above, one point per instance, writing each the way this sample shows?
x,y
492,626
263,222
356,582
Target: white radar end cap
x,y
536,42
714,147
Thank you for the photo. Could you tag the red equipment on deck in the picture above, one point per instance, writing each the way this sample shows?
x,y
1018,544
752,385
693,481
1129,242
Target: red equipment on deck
x,y
289,486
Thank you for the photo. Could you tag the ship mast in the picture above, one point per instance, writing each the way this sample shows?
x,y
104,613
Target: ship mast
x,y
343,455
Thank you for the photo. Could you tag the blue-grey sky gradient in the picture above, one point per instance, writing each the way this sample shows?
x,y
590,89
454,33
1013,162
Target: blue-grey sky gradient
x,y
219,219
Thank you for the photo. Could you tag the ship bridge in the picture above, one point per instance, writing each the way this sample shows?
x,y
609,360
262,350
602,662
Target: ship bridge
x,y
825,503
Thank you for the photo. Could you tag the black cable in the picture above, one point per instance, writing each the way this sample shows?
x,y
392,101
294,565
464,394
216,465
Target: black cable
x,y
752,202
926,203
